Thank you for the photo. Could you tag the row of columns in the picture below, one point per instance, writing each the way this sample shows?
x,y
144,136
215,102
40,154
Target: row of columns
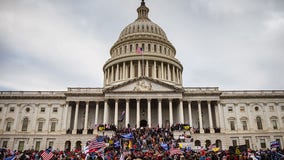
x,y
219,116
123,71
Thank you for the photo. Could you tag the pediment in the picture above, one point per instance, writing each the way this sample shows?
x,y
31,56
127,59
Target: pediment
x,y
143,85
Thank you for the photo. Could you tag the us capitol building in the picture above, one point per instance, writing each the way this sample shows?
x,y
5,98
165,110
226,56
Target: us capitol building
x,y
142,79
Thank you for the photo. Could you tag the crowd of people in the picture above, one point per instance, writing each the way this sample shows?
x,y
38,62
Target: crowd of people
x,y
144,144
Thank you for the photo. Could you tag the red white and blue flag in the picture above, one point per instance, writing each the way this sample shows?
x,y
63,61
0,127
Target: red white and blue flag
x,y
95,144
47,155
139,50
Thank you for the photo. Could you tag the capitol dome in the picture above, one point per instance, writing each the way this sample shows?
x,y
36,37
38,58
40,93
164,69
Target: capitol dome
x,y
142,50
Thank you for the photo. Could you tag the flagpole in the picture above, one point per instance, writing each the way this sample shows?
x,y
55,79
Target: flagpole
x,y
143,72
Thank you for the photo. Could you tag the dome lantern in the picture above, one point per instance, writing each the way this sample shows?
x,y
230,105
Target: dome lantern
x,y
143,11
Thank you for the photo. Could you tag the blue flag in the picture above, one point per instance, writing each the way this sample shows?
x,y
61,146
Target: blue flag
x,y
165,146
10,158
127,136
117,144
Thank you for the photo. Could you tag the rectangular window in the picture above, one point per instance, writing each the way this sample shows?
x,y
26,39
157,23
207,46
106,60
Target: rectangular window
x,y
55,110
242,109
53,125
50,143
40,126
12,109
42,109
230,109
21,145
282,108
279,142
271,108
37,146
234,142
8,126
232,124
0,109
5,144
274,124
247,143
262,143
245,127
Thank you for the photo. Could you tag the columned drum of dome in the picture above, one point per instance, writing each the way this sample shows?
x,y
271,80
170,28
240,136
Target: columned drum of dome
x,y
142,50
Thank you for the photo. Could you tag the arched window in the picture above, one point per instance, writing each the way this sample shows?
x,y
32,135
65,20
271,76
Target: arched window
x,y
219,143
207,143
67,145
274,121
197,143
259,123
25,124
78,145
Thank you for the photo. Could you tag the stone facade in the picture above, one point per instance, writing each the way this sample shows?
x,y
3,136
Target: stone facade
x,y
143,79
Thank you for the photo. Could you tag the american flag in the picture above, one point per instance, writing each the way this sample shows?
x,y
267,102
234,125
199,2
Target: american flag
x,y
95,144
139,50
47,156
174,151
212,146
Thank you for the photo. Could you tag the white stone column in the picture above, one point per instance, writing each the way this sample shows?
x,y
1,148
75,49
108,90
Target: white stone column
x,y
97,113
106,108
174,74
131,70
137,113
181,115
217,116
124,71
108,75
147,68
76,118
162,70
149,112
64,120
222,121
171,112
139,68
127,113
178,75
189,113
169,73
210,117
116,113
155,70
117,72
200,117
86,118
160,121
112,73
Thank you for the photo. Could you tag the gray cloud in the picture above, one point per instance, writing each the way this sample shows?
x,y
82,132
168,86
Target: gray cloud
x,y
52,45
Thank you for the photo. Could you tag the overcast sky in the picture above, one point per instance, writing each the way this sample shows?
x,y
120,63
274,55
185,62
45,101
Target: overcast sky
x,y
55,44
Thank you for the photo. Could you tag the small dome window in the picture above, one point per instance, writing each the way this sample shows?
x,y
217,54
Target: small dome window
x,y
256,108
28,109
